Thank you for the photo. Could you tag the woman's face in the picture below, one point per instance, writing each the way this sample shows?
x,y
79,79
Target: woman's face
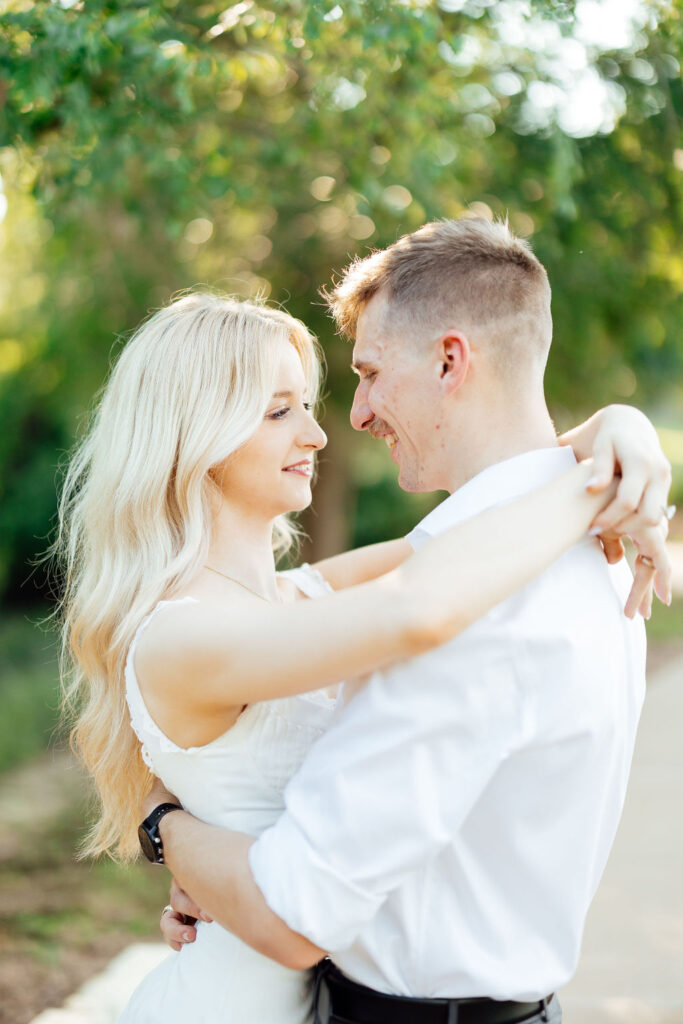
x,y
271,473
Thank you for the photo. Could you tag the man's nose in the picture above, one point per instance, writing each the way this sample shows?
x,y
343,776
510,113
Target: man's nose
x,y
361,414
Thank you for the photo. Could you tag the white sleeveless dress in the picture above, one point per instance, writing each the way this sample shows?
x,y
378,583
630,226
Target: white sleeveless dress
x,y
236,781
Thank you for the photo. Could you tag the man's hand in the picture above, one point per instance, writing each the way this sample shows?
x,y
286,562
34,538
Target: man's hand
x,y
622,440
178,925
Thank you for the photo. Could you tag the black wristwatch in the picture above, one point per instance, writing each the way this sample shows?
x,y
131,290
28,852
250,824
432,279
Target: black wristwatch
x,y
148,833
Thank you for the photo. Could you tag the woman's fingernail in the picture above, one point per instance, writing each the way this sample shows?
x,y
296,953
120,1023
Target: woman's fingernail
x,y
593,482
188,936
595,531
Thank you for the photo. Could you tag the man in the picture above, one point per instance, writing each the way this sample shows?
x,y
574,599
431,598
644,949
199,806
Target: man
x,y
443,841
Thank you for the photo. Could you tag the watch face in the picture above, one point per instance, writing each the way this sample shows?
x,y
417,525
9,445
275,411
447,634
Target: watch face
x,y
146,844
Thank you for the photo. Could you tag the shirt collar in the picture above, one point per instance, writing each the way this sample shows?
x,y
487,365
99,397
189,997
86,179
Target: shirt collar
x,y
495,485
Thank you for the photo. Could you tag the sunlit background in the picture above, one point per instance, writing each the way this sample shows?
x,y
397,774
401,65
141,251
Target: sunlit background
x,y
149,146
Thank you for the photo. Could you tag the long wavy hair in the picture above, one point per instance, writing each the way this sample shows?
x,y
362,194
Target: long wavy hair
x,y
135,513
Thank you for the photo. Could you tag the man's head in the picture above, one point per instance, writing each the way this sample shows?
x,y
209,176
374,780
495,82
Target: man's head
x,y
451,324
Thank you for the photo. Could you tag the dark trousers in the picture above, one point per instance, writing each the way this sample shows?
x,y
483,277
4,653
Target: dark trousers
x,y
331,985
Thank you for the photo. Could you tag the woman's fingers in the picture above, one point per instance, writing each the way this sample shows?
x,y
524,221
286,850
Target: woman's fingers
x,y
627,443
604,463
639,598
185,905
178,920
175,930
624,505
653,566
613,547
650,542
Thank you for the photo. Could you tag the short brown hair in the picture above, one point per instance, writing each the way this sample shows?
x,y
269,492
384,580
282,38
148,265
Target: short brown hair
x,y
471,273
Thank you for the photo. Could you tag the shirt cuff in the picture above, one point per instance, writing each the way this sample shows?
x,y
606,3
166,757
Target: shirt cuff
x,y
417,537
306,892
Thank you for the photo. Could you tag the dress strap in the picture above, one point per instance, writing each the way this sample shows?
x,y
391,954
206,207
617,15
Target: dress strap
x,y
308,580
144,726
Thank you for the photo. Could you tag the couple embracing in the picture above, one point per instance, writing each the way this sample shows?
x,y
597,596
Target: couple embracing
x,y
404,764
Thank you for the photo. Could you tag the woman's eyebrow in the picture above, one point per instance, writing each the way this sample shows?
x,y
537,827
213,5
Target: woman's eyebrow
x,y
288,394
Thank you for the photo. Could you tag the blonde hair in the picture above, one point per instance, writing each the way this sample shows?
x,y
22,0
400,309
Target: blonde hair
x,y
470,272
135,512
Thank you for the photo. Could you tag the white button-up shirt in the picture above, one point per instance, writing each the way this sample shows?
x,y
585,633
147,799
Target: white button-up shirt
x,y
447,835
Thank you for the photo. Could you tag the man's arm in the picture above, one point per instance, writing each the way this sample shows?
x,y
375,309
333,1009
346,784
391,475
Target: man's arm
x,y
212,864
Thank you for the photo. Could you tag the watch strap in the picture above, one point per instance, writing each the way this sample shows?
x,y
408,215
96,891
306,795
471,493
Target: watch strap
x,y
151,826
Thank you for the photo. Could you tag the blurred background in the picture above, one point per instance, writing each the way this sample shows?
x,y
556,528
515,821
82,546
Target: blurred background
x,y
149,146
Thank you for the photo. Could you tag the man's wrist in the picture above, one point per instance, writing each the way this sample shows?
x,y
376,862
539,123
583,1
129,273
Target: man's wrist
x,y
168,829
158,795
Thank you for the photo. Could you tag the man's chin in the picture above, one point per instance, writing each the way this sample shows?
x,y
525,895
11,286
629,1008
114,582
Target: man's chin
x,y
409,483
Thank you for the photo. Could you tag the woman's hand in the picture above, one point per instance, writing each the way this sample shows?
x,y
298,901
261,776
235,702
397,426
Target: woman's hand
x,y
178,923
622,440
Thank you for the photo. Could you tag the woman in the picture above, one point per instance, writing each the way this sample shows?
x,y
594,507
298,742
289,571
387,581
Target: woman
x,y
192,658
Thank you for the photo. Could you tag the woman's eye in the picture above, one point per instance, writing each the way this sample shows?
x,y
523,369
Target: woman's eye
x,y
279,414
308,406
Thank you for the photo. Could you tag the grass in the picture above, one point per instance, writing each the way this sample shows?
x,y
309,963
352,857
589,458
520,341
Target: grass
x,y
62,920
666,624
29,688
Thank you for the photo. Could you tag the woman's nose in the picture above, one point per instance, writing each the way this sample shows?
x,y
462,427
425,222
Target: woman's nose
x,y
316,437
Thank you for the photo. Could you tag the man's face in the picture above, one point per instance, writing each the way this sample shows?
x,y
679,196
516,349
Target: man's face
x,y
397,397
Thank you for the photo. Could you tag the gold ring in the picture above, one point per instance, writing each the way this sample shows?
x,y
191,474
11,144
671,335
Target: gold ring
x,y
166,909
644,560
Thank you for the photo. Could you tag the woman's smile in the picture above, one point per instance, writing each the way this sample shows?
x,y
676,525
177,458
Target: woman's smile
x,y
303,468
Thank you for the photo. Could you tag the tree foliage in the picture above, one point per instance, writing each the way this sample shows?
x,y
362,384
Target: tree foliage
x,y
150,144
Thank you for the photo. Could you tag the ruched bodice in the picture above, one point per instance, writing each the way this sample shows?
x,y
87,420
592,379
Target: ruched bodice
x,y
236,781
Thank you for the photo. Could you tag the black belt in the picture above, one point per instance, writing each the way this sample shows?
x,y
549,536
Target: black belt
x,y
340,999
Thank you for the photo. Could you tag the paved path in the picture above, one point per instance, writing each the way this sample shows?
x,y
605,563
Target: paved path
x,y
101,999
676,552
631,969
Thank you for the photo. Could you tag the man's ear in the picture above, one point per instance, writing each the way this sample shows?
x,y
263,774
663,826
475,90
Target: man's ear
x,y
454,354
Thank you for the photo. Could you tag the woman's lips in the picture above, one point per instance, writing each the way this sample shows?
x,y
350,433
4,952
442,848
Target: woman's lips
x,y
300,468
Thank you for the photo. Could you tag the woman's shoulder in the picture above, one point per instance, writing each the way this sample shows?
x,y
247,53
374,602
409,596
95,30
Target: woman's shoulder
x,y
162,632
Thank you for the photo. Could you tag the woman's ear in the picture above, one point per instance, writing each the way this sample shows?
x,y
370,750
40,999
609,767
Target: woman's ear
x,y
454,355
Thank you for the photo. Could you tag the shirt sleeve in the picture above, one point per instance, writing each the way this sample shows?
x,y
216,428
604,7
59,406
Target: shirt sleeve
x,y
387,788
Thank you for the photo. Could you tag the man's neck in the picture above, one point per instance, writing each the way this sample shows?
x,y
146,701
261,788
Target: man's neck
x,y
498,440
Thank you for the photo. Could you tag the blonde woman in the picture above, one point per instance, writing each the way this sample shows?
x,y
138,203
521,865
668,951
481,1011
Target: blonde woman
x,y
191,657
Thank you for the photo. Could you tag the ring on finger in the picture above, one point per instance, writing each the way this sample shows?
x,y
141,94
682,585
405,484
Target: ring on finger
x,y
168,908
668,511
644,560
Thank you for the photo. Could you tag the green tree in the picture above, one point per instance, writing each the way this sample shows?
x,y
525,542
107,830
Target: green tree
x,y
147,146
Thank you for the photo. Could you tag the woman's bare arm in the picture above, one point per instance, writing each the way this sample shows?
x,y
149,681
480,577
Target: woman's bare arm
x,y
362,564
616,437
263,651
